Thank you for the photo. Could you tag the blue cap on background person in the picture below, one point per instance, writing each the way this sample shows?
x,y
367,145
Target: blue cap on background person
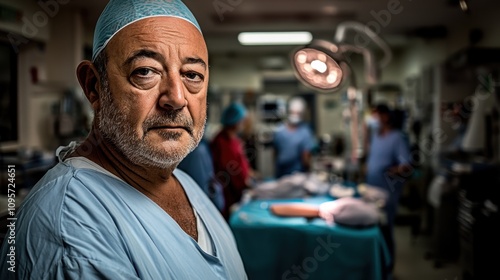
x,y
233,114
120,13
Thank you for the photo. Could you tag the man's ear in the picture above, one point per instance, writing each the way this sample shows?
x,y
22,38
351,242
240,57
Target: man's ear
x,y
89,81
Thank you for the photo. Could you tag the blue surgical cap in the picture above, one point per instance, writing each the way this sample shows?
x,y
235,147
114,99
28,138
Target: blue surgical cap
x,y
233,114
120,13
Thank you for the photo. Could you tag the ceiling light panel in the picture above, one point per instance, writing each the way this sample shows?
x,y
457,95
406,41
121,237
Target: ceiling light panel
x,y
274,38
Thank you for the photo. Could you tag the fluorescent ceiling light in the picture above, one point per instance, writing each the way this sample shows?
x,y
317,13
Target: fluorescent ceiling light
x,y
274,38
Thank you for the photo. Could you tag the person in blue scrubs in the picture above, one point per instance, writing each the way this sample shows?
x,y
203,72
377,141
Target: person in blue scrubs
x,y
293,141
115,206
388,166
198,164
371,127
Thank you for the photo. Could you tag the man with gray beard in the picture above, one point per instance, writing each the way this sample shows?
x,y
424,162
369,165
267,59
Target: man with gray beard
x,y
115,206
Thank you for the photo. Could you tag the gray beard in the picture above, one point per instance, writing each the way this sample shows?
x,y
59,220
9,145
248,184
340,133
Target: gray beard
x,y
117,131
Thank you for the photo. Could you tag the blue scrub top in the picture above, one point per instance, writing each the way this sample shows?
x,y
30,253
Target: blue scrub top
x,y
80,223
386,151
289,146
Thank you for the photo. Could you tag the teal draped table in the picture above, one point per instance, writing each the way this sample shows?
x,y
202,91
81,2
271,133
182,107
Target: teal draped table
x,y
297,248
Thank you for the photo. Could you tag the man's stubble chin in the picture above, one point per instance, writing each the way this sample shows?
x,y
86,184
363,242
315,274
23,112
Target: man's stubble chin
x,y
163,150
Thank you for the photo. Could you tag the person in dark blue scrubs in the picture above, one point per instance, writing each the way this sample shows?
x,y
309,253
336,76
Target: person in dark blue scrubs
x,y
388,167
198,164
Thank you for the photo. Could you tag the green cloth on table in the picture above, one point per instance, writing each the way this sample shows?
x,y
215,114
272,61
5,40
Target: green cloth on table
x,y
275,247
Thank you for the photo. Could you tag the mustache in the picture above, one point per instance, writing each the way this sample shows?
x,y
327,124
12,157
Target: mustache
x,y
169,118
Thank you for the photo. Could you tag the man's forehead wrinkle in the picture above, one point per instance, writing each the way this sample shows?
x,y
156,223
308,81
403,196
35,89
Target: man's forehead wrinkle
x,y
154,26
167,38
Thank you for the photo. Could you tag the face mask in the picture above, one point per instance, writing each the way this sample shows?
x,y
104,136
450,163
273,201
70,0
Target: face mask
x,y
294,119
375,124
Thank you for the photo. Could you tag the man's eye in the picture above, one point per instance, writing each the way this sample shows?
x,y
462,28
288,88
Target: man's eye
x,y
143,72
193,76
145,77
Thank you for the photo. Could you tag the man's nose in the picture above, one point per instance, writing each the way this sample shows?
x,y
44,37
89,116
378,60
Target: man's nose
x,y
172,94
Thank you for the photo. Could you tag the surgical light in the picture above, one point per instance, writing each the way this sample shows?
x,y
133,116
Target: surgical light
x,y
319,65
323,65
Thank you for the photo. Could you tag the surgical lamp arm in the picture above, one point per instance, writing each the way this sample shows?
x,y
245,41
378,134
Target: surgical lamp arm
x,y
371,70
361,28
